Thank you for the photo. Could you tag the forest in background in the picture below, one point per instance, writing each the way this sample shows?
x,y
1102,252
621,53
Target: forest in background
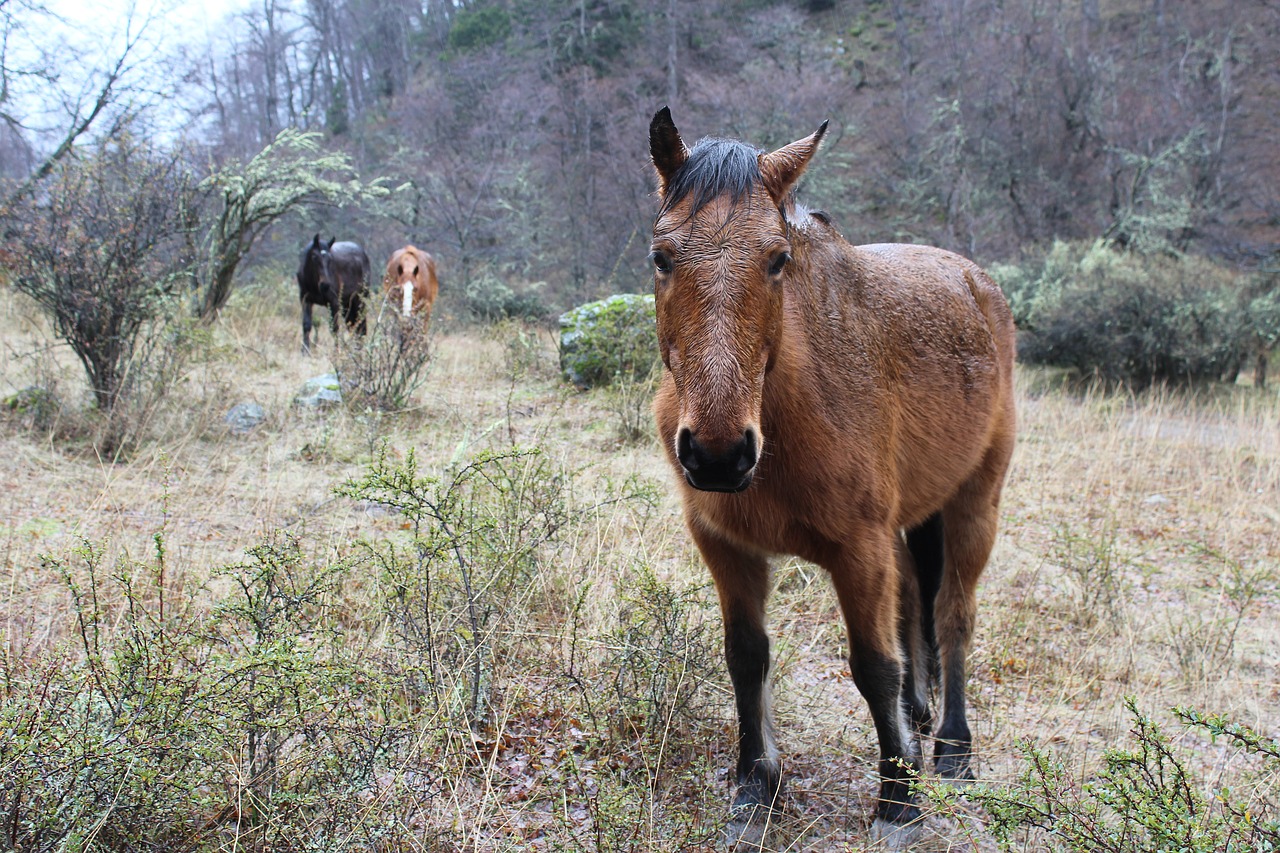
x,y
515,132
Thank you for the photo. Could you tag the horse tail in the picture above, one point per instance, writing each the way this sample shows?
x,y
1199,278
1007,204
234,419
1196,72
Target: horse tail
x,y
925,544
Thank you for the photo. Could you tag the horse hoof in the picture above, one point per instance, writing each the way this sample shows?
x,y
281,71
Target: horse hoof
x,y
954,767
749,825
894,836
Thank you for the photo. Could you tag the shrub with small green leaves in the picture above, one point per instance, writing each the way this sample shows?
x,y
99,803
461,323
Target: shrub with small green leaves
x,y
1124,317
489,299
1145,799
608,339
664,654
478,534
162,725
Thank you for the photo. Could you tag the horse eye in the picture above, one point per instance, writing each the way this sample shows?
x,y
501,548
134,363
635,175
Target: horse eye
x,y
779,262
661,262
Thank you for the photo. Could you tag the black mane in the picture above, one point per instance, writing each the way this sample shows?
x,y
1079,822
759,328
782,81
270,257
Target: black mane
x,y
715,167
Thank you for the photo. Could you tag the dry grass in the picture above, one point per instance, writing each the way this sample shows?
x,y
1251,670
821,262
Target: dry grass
x,y
1139,555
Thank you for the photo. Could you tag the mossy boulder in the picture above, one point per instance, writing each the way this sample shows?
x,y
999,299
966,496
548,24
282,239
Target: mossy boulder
x,y
609,339
320,392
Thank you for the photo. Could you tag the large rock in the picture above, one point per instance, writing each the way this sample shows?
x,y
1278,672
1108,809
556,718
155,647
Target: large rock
x,y
244,417
38,405
609,339
320,392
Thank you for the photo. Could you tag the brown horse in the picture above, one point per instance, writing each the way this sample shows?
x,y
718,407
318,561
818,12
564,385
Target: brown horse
x,y
410,282
852,405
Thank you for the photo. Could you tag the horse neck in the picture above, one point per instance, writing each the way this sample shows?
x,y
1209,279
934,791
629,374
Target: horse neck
x,y
821,327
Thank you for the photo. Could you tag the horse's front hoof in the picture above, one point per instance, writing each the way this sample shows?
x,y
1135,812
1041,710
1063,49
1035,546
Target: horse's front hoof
x,y
887,835
749,826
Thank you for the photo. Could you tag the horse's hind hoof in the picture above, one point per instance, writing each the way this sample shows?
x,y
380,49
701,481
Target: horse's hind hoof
x,y
749,827
953,764
895,836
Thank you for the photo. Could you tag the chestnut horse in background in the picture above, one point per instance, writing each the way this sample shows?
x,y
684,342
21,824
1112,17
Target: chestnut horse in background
x,y
410,282
852,405
337,275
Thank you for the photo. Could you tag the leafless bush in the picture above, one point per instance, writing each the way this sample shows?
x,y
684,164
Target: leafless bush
x,y
384,369
104,252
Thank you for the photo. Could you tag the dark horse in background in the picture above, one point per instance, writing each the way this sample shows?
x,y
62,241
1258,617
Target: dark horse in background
x,y
335,275
852,405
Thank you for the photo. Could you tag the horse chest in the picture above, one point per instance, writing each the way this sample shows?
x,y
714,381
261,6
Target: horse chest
x,y
789,511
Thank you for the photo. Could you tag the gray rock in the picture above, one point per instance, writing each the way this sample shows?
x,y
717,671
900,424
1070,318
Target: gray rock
x,y
39,405
320,392
244,417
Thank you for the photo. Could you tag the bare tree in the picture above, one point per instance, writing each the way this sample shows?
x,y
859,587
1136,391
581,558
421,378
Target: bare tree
x,y
103,249
95,102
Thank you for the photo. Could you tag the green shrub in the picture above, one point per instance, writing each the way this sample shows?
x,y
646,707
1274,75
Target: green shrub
x,y
478,534
1143,800
1125,317
489,299
476,28
664,656
162,725
612,338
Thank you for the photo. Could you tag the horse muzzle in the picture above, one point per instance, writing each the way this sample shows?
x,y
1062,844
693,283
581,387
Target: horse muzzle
x,y
727,469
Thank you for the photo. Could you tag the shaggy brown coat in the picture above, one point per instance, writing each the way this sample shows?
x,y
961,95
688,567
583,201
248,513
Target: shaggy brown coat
x,y
410,283
852,405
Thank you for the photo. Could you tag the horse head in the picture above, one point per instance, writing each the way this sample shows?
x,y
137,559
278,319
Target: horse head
x,y
721,255
403,275
315,269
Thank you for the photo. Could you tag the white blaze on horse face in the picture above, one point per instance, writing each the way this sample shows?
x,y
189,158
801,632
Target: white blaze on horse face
x,y
407,300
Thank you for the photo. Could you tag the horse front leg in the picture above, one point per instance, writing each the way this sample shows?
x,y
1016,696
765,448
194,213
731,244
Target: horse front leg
x,y
866,581
306,326
741,577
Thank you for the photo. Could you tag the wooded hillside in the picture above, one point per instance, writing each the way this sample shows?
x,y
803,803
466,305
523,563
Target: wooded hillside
x,y
519,127
515,131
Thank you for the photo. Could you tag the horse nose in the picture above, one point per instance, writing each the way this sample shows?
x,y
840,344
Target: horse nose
x,y
727,469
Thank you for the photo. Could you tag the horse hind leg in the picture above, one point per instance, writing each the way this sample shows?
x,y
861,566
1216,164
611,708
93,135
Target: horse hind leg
x,y
969,520
920,561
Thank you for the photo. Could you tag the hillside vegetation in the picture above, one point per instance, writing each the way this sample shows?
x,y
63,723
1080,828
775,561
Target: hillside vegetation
x,y
480,625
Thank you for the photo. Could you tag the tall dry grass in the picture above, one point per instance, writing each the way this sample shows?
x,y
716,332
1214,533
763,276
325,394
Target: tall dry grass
x,y
588,709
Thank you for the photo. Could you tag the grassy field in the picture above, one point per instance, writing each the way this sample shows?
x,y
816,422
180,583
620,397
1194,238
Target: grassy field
x,y
479,624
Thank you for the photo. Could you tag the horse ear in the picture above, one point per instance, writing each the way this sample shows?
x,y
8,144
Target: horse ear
x,y
315,241
666,148
782,168
332,240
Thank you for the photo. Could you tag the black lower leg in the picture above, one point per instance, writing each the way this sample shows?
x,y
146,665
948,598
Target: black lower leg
x,y
747,655
915,698
879,679
954,742
915,686
925,544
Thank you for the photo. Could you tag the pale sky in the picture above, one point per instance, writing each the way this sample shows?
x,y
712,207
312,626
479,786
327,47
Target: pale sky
x,y
173,17
90,39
